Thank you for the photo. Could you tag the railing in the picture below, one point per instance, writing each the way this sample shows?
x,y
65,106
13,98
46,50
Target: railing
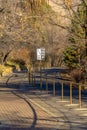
x,y
54,79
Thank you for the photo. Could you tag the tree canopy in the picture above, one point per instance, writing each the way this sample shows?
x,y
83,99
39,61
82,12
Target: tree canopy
x,y
77,37
21,24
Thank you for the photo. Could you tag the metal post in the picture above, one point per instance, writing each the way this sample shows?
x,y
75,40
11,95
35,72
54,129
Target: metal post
x,y
40,77
29,74
29,77
41,84
34,81
70,92
53,87
46,85
62,91
80,99
33,75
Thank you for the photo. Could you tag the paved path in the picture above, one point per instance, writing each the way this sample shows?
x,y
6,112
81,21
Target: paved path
x,y
25,109
16,112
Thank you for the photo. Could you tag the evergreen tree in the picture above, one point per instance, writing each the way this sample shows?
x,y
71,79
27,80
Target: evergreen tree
x,y
76,53
77,31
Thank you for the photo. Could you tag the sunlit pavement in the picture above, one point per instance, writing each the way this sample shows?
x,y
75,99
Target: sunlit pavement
x,y
16,112
25,109
19,113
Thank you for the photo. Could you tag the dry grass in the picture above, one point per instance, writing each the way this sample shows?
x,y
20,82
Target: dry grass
x,y
4,70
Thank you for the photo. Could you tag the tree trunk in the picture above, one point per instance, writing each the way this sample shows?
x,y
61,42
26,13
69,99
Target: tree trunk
x,y
86,31
5,57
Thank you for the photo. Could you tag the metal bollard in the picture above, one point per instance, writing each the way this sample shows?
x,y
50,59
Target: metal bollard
x,y
70,92
29,77
80,98
46,85
54,87
34,81
41,81
62,91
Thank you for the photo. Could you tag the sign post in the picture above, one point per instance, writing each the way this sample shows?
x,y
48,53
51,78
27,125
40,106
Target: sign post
x,y
40,57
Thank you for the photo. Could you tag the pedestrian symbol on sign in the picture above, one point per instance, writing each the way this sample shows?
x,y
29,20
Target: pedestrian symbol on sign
x,y
40,53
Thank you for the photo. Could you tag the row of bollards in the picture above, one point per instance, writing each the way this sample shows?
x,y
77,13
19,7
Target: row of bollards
x,y
71,87
62,91
31,77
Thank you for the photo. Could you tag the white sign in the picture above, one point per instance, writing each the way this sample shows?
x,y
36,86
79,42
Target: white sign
x,y
40,53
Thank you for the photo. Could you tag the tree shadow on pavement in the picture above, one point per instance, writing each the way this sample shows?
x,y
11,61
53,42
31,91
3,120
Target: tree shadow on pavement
x,y
22,123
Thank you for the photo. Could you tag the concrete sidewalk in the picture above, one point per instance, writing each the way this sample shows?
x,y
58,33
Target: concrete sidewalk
x,y
69,117
34,110
18,113
24,108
